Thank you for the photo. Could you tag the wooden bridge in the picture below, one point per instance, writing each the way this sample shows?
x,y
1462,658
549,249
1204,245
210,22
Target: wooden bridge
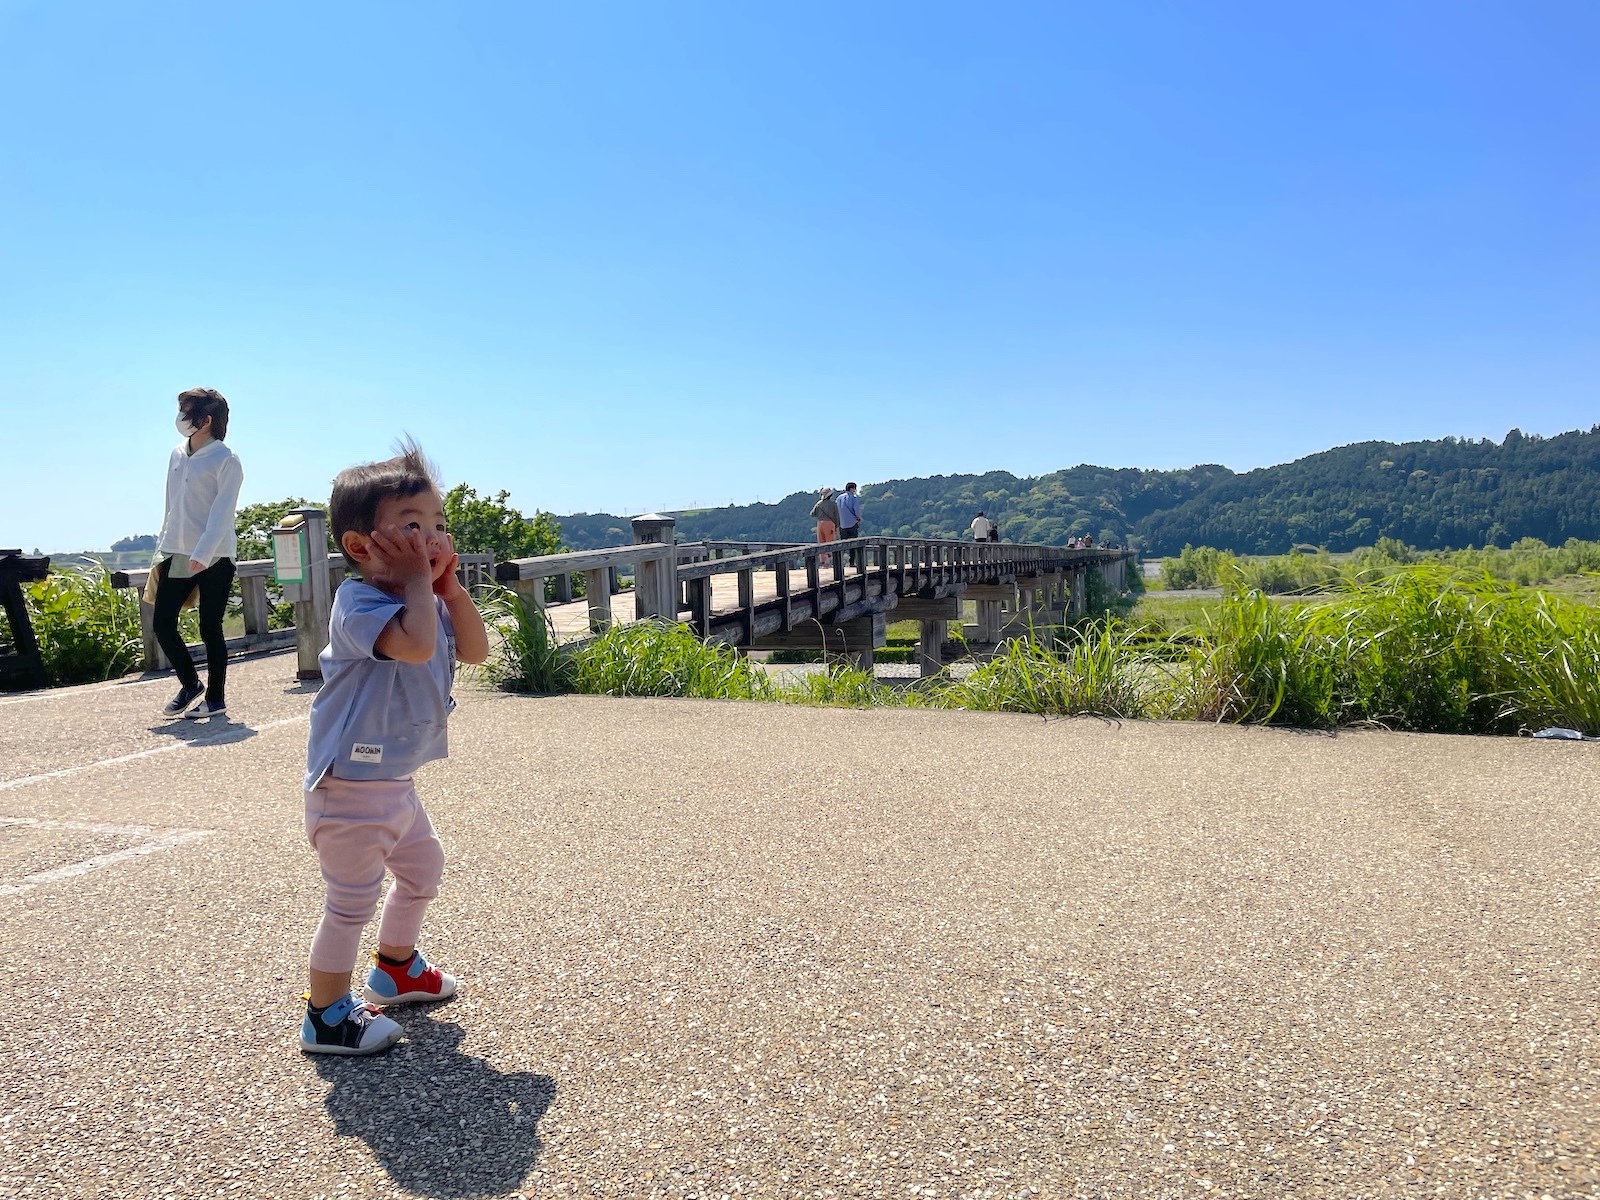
x,y
837,596
834,596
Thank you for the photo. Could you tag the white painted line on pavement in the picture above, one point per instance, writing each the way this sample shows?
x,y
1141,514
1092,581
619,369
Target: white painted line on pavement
x,y
68,693
7,785
139,831
153,845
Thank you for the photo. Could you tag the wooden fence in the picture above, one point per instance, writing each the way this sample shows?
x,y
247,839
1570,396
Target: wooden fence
x,y
252,579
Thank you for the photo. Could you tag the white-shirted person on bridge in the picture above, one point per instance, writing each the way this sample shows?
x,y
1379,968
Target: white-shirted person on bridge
x,y
395,637
980,527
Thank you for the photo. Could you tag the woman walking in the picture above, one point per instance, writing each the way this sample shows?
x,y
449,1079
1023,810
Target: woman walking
x,y
826,514
197,548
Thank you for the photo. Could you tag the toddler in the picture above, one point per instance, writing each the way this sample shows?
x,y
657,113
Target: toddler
x,y
394,639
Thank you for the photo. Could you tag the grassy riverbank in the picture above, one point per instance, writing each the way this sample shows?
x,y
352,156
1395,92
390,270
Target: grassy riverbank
x,y
1420,648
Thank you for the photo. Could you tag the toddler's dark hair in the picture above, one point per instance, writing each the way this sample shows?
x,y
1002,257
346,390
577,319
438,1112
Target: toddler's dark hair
x,y
357,491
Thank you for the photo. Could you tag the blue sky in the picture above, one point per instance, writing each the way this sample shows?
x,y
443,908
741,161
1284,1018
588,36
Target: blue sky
x,y
624,256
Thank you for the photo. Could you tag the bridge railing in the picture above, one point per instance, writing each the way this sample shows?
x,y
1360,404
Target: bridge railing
x,y
841,576
251,577
839,579
540,579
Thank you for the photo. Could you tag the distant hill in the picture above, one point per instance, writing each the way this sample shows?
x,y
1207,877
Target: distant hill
x,y
1436,495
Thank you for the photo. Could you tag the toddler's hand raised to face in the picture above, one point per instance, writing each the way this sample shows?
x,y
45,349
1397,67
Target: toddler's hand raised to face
x,y
401,555
445,582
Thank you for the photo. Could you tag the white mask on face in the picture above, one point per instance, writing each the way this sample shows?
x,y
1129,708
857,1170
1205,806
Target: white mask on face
x,y
185,426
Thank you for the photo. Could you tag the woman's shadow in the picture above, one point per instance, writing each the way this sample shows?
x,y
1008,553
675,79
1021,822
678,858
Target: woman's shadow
x,y
441,1122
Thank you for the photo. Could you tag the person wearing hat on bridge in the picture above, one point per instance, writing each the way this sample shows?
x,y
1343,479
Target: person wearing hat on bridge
x,y
826,514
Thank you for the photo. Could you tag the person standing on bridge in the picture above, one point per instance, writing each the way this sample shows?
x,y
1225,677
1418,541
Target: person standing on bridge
x,y
849,512
394,639
850,517
196,549
826,514
980,527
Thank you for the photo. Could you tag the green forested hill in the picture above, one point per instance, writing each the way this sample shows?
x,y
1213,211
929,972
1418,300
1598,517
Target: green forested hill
x,y
1445,494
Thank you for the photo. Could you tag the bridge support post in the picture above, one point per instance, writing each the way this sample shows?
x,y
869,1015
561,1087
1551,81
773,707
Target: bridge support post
x,y
597,589
930,657
854,639
990,618
655,586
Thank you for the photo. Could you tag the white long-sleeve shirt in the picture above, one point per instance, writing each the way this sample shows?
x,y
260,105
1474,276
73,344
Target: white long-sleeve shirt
x,y
202,493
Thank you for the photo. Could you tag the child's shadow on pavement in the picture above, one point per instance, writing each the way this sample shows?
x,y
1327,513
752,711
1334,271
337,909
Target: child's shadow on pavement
x,y
441,1122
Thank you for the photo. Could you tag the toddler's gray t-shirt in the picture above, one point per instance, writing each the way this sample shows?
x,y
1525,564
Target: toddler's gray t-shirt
x,y
376,718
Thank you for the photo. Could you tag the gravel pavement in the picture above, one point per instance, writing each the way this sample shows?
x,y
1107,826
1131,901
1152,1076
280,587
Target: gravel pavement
x,y
714,949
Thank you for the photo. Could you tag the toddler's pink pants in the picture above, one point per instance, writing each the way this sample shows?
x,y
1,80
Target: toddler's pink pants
x,y
358,827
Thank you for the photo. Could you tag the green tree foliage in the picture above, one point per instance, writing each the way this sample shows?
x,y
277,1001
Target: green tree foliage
x,y
253,524
1437,495
1195,567
487,523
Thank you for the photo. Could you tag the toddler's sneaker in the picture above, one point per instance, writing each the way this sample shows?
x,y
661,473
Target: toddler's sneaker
x,y
347,1027
183,701
409,982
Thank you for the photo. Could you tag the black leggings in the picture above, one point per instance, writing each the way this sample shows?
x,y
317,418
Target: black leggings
x,y
214,582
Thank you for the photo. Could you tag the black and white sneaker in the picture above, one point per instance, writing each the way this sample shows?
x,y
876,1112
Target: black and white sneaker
x,y
183,701
347,1026
208,708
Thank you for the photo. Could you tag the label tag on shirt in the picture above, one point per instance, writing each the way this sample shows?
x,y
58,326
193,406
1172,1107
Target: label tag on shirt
x,y
366,752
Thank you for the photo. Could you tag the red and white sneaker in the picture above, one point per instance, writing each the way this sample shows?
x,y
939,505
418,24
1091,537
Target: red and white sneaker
x,y
408,983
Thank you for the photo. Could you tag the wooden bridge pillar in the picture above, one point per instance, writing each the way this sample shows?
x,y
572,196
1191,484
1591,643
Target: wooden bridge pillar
x,y
597,590
855,639
655,583
989,621
930,658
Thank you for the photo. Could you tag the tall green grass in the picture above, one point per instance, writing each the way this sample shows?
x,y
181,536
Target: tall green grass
x,y
1420,648
87,630
527,657
1526,562
1094,670
844,686
659,658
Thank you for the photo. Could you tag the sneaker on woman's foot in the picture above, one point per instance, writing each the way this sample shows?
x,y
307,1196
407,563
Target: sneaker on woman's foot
x,y
209,708
183,701
408,983
347,1027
